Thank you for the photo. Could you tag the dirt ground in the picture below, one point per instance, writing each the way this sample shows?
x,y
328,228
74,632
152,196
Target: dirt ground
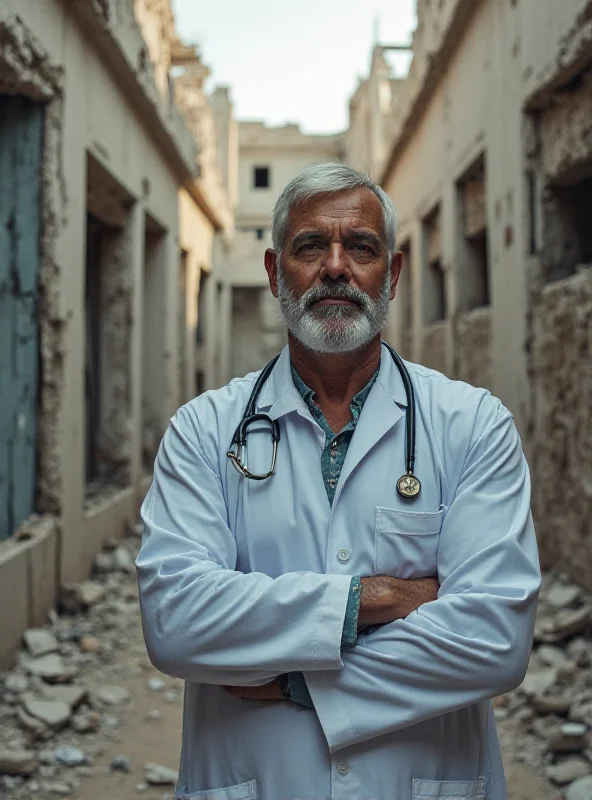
x,y
142,739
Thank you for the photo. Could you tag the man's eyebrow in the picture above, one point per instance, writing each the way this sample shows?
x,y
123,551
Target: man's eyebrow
x,y
308,236
364,236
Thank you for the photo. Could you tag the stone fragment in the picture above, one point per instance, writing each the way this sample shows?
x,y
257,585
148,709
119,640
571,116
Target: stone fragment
x,y
140,787
50,667
552,656
76,597
550,704
72,695
90,644
171,696
123,560
157,775
568,771
580,789
137,529
564,623
569,738
582,713
579,650
538,681
86,721
16,683
17,762
70,756
57,787
54,713
156,684
40,642
112,695
104,563
122,764
561,595
32,724
153,715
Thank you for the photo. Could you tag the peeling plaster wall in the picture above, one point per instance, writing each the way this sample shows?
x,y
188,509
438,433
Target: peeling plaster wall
x,y
433,353
472,348
566,131
562,457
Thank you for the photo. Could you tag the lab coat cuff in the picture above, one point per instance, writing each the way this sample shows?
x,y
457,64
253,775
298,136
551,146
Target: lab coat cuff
x,y
328,632
350,626
330,709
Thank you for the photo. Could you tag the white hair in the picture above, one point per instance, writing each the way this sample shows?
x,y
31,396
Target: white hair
x,y
329,178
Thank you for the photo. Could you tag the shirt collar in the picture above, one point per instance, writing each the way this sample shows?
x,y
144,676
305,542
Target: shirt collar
x,y
279,395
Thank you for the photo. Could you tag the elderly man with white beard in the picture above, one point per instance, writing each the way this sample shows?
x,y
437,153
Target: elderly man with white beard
x,y
341,630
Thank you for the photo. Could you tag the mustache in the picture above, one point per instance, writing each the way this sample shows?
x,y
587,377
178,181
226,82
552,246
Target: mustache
x,y
336,291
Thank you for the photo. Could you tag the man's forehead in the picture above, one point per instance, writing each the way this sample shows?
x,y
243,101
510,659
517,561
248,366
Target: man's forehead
x,y
360,208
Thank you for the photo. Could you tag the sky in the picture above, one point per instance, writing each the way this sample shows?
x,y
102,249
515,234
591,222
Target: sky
x,y
296,61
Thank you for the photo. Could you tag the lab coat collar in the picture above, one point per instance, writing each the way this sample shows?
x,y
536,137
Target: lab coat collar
x,y
279,396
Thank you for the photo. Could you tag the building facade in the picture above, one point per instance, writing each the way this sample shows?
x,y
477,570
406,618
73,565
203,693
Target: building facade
x,y
490,167
108,218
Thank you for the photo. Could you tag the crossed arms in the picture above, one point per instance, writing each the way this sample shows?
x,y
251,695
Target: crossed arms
x,y
205,622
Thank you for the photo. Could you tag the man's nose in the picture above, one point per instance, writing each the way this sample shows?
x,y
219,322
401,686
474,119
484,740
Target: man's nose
x,y
335,263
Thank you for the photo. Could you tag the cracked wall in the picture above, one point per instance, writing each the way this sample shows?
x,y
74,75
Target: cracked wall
x,y
472,348
562,455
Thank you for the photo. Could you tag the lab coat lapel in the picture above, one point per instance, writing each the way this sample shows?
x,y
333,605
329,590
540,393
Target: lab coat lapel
x,y
384,407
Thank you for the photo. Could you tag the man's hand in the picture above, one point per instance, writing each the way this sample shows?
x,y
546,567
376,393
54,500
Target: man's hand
x,y
269,691
384,598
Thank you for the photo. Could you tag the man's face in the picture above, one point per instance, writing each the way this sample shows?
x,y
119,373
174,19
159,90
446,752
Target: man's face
x,y
334,282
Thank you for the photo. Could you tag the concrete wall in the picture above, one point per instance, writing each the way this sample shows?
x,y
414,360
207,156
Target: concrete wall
x,y
493,128
112,147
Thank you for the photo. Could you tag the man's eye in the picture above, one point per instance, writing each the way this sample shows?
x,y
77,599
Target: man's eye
x,y
310,246
363,248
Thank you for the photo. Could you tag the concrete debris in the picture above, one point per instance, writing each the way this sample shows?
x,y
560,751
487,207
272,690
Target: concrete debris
x,y
568,771
72,695
156,684
40,642
54,713
50,667
17,762
81,596
112,695
157,775
70,756
123,764
153,715
90,644
86,722
562,596
16,683
564,623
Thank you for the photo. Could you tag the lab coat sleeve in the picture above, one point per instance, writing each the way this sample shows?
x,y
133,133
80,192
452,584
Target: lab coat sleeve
x,y
474,641
203,620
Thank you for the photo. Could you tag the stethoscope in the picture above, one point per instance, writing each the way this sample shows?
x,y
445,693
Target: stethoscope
x,y
408,485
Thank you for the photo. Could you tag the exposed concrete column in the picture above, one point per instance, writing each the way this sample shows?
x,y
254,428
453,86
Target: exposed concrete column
x,y
418,258
225,331
136,231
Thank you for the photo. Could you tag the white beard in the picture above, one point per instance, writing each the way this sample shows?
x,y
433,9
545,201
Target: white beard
x,y
333,329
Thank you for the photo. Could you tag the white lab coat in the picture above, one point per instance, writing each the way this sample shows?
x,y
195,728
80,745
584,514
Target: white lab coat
x,y
243,580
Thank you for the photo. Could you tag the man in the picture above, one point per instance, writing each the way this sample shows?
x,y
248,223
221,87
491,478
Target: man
x,y
339,640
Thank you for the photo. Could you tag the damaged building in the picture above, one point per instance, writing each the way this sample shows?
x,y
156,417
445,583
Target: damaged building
x,y
113,200
490,167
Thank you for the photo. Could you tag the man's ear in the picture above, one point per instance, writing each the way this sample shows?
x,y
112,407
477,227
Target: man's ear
x,y
271,267
396,267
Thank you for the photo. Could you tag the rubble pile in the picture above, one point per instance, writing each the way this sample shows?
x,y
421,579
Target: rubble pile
x,y
547,720
61,705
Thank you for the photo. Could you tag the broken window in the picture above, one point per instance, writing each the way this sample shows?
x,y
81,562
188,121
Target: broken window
x,y
567,232
261,177
473,255
435,306
108,298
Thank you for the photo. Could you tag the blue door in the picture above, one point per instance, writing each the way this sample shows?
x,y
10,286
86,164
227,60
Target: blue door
x,y
21,141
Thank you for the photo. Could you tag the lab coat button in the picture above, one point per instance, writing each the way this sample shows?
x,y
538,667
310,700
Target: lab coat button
x,y
343,554
343,768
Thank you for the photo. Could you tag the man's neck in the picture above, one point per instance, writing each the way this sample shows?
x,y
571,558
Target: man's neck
x,y
335,378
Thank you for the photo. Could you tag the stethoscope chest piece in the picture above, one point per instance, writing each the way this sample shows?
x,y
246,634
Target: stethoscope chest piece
x,y
408,486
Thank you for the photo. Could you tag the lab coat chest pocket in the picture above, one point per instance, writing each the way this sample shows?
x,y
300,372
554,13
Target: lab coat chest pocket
x,y
449,790
406,542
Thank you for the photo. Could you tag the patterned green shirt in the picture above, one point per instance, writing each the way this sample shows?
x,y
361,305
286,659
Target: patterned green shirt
x,y
332,460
